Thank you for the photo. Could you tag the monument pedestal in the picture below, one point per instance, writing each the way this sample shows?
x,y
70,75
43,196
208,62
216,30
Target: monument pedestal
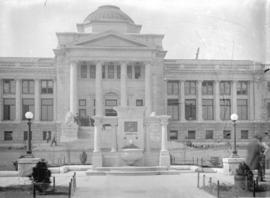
x,y
97,159
69,132
164,158
25,165
231,164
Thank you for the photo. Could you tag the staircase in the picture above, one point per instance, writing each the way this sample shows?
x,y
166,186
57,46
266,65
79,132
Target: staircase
x,y
86,132
137,171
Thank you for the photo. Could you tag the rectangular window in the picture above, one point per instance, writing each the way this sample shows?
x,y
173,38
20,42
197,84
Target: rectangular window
x,y
190,109
9,109
8,136
27,105
225,88
103,71
244,134
207,87
8,86
92,71
242,88
139,102
83,70
25,135
173,87
191,134
82,113
173,135
173,109
27,86
190,88
225,109
109,104
46,136
227,134
209,134
129,71
110,71
208,109
242,109
118,71
46,86
82,102
138,72
47,109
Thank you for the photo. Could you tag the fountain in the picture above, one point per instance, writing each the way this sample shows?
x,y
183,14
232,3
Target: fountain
x,y
131,153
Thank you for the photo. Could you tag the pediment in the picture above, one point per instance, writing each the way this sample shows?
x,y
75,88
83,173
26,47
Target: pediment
x,y
110,40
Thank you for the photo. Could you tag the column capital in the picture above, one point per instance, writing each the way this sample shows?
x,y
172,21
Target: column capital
x,y
96,62
98,120
164,119
123,62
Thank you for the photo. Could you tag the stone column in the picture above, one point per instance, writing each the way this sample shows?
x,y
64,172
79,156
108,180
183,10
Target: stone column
x,y
199,98
123,84
164,135
97,155
148,88
217,101
182,101
147,138
1,100
18,100
251,101
37,100
114,139
97,131
55,100
234,97
73,88
98,87
164,158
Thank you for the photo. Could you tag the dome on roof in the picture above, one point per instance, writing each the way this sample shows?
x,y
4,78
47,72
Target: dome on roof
x,y
108,13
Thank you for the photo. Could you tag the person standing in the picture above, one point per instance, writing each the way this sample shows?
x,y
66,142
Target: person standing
x,y
254,151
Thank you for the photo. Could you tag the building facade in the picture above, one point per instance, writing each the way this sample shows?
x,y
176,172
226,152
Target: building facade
x,y
109,63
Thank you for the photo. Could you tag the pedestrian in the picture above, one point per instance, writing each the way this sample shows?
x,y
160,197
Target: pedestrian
x,y
264,150
254,151
54,142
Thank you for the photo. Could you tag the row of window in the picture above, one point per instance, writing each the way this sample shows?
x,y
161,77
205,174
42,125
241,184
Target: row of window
x,y
208,109
111,70
46,107
209,134
46,86
46,135
109,104
190,87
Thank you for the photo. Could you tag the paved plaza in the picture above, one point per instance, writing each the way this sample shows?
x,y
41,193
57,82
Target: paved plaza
x,y
163,186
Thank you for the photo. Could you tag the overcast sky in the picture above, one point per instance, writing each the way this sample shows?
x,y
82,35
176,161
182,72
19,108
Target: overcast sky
x,y
223,29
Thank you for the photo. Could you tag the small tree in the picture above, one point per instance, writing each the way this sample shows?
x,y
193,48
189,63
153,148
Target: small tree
x,y
41,176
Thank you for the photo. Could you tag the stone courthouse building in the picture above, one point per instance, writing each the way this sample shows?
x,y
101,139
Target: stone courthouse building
x,y
108,63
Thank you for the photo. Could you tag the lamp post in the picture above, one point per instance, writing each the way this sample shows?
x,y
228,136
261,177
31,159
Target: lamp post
x,y
234,118
29,116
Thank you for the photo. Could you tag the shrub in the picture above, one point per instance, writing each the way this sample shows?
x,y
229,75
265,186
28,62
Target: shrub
x,y
83,157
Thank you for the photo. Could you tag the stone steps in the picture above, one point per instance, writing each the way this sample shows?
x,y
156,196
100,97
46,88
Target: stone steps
x,y
136,171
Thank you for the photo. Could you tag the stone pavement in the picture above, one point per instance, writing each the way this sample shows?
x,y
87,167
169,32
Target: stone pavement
x,y
158,186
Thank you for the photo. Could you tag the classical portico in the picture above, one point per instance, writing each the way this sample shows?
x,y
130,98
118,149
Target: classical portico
x,y
111,79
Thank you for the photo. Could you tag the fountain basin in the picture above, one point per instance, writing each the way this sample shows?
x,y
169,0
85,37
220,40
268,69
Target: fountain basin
x,y
131,156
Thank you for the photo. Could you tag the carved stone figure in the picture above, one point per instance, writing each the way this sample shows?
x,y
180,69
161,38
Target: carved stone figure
x,y
69,119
